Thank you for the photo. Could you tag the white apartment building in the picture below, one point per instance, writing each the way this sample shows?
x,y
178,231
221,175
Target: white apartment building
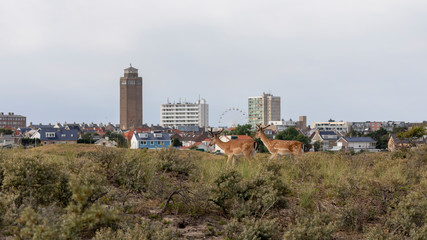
x,y
342,127
185,114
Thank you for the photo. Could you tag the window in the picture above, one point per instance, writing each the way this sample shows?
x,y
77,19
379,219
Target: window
x,y
63,135
151,142
50,135
123,82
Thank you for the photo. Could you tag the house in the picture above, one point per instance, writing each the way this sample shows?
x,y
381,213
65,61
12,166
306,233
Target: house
x,y
153,140
328,139
9,140
56,136
191,139
356,144
395,143
106,142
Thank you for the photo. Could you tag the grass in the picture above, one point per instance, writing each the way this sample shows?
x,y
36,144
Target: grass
x,y
358,193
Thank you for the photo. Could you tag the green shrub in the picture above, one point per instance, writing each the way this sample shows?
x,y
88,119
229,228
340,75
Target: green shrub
x,y
30,225
354,217
379,233
85,214
311,227
170,160
36,180
146,230
410,216
249,197
261,229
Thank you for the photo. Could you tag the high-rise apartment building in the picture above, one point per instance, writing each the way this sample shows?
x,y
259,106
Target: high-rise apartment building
x,y
185,114
130,100
263,109
12,120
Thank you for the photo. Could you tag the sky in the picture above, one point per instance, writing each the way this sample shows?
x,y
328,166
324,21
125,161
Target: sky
x,y
61,61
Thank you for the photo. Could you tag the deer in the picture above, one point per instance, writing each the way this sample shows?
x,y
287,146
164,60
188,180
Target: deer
x,y
234,148
279,147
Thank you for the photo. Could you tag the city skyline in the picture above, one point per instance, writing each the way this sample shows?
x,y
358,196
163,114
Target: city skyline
x,y
342,60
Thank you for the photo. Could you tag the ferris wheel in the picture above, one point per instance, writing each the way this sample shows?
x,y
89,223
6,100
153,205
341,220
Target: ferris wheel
x,y
231,117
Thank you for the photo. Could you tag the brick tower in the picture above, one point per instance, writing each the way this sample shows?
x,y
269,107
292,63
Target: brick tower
x,y
130,100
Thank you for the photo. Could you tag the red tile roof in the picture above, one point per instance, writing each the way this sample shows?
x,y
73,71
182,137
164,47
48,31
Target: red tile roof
x,y
128,135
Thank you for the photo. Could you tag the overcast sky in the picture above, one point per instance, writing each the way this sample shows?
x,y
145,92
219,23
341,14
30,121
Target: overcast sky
x,y
345,60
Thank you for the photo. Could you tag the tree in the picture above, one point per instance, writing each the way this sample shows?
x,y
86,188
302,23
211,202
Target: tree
x,y
317,145
381,136
176,142
119,138
289,134
414,132
261,147
241,130
6,131
87,138
292,133
353,133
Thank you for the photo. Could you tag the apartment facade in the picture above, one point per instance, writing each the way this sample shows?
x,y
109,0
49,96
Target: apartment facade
x,y
13,121
174,115
342,127
263,109
130,99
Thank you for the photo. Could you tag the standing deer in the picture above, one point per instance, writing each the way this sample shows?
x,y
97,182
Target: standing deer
x,y
279,147
234,148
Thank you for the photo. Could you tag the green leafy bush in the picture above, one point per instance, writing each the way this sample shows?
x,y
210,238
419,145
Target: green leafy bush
x,y
170,160
354,217
85,213
146,230
315,226
36,180
250,228
249,197
410,216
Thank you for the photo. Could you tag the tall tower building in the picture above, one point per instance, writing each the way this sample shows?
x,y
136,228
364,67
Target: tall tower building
x,y
263,109
130,100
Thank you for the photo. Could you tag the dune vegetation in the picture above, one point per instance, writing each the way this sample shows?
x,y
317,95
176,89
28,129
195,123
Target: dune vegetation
x,y
88,192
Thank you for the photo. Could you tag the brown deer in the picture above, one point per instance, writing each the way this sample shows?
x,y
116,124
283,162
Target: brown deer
x,y
279,147
234,148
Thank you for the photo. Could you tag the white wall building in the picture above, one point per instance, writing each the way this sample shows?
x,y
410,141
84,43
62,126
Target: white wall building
x,y
342,127
185,114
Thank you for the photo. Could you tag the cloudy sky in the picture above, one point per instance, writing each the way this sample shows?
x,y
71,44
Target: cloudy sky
x,y
345,60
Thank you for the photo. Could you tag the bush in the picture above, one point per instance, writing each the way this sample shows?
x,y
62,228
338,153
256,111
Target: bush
x,y
252,229
354,217
85,214
146,230
410,215
123,169
249,197
169,160
311,227
30,225
36,180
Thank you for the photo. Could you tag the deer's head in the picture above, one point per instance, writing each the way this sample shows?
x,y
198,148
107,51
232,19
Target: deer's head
x,y
260,130
214,136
